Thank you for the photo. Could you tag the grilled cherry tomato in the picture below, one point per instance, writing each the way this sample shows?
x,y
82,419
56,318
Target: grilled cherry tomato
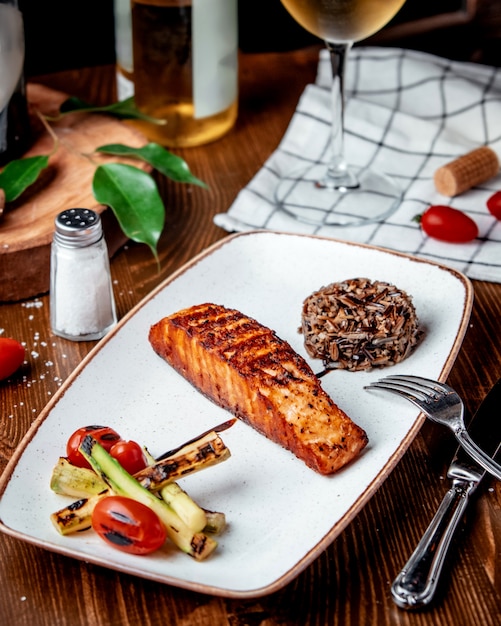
x,y
128,525
104,435
448,224
11,356
494,205
130,456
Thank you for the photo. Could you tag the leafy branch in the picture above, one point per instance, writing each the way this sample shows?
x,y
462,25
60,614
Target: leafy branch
x,y
129,191
125,109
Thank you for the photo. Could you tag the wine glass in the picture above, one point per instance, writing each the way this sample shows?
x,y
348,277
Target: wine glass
x,y
339,194
11,61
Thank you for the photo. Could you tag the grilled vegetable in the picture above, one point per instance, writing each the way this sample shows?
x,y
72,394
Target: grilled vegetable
x,y
197,545
187,444
189,459
130,455
188,510
105,435
128,525
80,482
83,482
70,480
216,522
204,451
77,516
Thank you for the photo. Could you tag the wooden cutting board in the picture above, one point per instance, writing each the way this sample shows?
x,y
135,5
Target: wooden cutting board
x,y
27,225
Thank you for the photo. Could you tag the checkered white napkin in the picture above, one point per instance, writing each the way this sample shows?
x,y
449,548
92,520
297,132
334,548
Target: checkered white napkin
x,y
407,114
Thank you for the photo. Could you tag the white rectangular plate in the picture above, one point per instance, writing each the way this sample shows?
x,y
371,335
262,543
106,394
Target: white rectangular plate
x,y
281,515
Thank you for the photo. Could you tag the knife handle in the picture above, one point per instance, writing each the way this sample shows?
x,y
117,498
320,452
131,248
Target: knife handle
x,y
416,584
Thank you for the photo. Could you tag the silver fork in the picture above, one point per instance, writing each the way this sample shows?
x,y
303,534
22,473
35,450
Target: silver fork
x,y
441,404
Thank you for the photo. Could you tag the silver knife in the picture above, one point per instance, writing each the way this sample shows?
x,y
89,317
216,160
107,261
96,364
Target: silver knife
x,y
416,584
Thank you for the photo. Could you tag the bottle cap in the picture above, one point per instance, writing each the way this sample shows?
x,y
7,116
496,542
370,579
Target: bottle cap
x,y
77,228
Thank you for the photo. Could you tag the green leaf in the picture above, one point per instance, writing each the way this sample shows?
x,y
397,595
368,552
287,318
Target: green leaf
x,y
125,109
133,196
18,175
75,104
165,162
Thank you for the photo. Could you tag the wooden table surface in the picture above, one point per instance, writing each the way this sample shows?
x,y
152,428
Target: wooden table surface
x,y
349,584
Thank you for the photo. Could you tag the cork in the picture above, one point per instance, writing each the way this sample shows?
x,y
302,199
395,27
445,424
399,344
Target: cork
x,y
466,172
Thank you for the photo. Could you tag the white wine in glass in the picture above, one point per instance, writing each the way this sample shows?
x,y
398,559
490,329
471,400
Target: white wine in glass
x,y
13,109
339,194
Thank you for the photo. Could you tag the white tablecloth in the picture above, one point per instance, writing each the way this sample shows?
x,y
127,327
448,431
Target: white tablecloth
x,y
407,113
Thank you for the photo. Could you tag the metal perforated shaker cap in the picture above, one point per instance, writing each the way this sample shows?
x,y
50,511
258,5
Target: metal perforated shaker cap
x,y
77,228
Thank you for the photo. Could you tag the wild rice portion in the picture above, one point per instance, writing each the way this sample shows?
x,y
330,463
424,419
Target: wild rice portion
x,y
358,324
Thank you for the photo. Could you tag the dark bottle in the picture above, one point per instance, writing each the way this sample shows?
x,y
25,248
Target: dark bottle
x,y
14,120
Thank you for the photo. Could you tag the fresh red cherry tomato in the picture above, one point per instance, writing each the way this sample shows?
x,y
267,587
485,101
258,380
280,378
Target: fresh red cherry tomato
x,y
494,205
128,525
11,356
130,456
448,224
104,435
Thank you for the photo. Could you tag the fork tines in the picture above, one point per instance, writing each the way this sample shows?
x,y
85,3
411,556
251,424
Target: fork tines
x,y
411,387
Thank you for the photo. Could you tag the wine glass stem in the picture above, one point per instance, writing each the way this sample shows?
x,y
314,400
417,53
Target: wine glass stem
x,y
338,175
3,130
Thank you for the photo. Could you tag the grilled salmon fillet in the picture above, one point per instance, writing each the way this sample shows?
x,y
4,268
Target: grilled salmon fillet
x,y
247,369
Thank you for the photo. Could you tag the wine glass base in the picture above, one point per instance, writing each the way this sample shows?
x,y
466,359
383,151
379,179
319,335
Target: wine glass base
x,y
311,197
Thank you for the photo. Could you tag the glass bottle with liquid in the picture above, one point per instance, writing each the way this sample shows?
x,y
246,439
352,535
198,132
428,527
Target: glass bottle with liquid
x,y
123,49
185,68
14,120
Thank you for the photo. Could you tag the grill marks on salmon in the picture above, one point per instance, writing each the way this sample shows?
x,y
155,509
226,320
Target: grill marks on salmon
x,y
247,369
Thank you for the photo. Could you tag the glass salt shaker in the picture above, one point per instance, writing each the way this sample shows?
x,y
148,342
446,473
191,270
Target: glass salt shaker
x,y
82,305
